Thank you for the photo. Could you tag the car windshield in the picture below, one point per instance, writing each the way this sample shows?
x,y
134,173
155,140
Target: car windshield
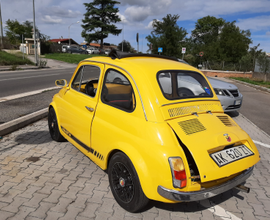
x,y
183,84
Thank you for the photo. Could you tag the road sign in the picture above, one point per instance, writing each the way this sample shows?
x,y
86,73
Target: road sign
x,y
160,49
201,54
183,50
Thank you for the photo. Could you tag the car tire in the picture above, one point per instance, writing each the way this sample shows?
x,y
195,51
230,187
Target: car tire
x,y
125,184
53,126
69,52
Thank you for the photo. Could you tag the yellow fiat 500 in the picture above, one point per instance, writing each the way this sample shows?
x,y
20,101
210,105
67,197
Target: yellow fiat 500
x,y
155,125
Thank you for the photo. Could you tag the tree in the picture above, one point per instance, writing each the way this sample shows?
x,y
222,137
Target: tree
x,y
126,46
98,19
254,53
233,42
264,63
168,35
15,30
206,36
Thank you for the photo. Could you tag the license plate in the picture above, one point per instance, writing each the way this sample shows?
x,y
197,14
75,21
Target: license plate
x,y
227,156
237,102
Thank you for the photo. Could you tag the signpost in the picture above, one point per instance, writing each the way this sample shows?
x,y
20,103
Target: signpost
x,y
160,50
183,52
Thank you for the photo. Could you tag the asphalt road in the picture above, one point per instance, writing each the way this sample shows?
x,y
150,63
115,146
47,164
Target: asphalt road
x,y
256,106
17,82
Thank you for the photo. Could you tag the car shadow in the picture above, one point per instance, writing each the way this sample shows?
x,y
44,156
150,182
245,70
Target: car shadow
x,y
233,114
34,137
191,207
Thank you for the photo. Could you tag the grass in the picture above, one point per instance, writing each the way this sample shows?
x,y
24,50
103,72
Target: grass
x,y
253,81
70,58
7,59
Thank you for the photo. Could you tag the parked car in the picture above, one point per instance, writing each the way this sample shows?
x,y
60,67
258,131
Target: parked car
x,y
229,95
75,49
155,139
107,51
101,51
92,50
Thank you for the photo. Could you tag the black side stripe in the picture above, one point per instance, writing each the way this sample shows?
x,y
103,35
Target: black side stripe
x,y
91,150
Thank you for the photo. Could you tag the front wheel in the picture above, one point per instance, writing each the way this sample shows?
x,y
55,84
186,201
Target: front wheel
x,y
53,126
125,184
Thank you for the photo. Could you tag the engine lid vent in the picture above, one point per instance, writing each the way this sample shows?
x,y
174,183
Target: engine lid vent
x,y
225,120
191,126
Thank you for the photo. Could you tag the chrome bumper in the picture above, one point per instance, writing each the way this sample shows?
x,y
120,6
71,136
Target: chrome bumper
x,y
207,193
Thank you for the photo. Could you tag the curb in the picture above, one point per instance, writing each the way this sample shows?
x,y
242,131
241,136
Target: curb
x,y
251,85
21,122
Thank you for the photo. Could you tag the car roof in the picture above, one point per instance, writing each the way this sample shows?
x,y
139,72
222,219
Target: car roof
x,y
139,64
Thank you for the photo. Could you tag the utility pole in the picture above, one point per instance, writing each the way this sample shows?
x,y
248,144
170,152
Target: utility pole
x,y
34,27
1,27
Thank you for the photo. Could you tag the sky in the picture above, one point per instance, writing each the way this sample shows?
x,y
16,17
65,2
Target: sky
x,y
56,17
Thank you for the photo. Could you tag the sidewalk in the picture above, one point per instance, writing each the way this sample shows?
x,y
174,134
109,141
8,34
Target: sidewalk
x,y
50,64
43,179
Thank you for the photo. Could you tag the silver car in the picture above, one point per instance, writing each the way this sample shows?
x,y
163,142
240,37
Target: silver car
x,y
230,97
228,94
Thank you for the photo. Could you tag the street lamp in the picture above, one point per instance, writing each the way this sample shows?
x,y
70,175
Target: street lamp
x,y
69,31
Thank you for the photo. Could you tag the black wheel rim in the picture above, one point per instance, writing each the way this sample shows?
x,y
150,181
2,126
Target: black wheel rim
x,y
52,123
122,182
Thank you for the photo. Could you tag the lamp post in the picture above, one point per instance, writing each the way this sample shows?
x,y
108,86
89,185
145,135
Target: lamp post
x,y
69,31
34,27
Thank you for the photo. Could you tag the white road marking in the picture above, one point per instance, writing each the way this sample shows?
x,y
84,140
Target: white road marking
x,y
262,144
218,210
7,98
28,77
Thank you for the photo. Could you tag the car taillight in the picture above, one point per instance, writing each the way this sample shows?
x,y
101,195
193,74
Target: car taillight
x,y
178,172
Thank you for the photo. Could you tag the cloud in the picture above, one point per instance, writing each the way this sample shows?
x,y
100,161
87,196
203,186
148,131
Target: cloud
x,y
123,18
50,20
62,12
255,23
138,11
150,25
135,13
268,33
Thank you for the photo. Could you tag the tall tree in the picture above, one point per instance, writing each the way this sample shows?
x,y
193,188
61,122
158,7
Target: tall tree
x,y
168,35
98,20
206,36
234,43
126,46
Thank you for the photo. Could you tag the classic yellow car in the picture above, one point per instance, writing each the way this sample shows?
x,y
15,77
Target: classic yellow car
x,y
155,125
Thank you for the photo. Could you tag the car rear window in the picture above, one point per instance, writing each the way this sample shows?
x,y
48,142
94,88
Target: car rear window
x,y
183,84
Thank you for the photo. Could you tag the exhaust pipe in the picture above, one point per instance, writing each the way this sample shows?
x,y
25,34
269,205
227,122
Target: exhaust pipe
x,y
243,188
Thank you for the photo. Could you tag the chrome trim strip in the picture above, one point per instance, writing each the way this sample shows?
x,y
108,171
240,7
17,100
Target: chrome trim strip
x,y
207,193
217,100
130,77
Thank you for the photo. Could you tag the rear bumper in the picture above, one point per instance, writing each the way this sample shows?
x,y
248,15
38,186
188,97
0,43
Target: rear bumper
x,y
207,193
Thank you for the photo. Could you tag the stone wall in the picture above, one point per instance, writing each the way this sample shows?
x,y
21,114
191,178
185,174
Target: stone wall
x,y
213,73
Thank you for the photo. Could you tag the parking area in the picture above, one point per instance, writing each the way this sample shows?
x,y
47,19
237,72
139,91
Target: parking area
x,y
43,179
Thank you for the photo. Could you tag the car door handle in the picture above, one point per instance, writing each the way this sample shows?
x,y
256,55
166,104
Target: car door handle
x,y
89,109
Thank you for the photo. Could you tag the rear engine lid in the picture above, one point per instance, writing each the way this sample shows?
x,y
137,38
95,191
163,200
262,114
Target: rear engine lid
x,y
205,134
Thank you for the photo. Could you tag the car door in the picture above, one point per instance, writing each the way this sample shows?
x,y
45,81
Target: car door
x,y
79,104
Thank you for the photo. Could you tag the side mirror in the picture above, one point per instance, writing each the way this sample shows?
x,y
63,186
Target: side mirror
x,y
61,83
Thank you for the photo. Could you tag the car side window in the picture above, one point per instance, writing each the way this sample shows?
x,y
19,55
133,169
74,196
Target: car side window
x,y
117,91
86,80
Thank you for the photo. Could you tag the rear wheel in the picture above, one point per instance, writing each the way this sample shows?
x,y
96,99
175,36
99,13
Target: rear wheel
x,y
53,127
125,184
